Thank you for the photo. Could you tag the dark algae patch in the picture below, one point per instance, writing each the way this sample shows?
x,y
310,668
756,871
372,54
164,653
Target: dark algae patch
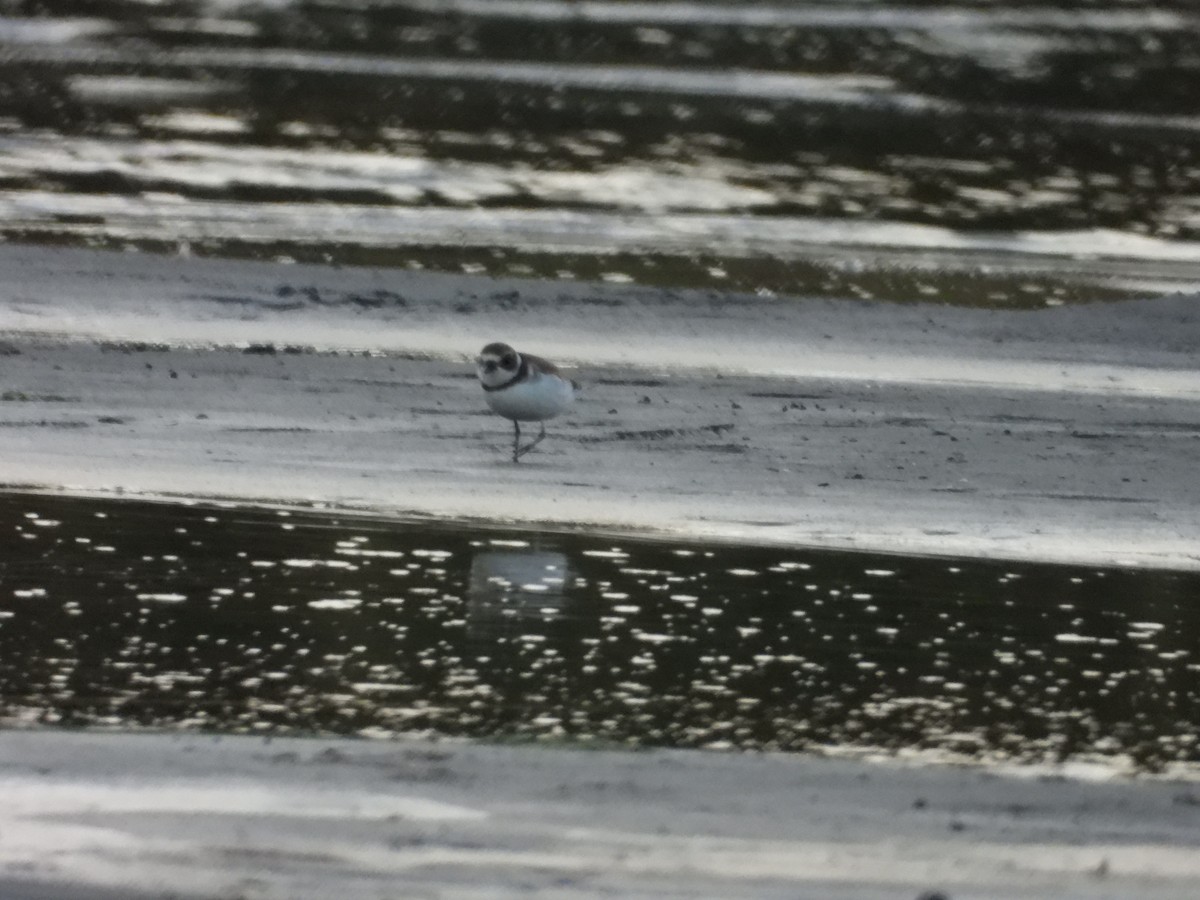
x,y
135,614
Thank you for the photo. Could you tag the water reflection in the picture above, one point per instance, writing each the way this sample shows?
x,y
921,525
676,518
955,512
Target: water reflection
x,y
239,129
510,588
129,613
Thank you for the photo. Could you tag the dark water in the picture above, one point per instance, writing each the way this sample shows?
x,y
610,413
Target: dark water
x,y
792,148
239,620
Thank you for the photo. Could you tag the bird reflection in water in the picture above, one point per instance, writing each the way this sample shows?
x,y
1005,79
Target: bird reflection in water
x,y
513,590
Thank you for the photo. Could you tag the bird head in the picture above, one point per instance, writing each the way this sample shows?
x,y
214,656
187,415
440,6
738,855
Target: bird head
x,y
497,364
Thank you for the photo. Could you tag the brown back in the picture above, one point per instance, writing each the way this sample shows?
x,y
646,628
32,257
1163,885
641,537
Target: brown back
x,y
543,365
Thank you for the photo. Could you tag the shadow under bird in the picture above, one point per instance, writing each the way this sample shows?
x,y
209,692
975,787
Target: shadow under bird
x,y
523,388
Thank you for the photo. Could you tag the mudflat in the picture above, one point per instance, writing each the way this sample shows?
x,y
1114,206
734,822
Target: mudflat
x,y
1062,434
90,816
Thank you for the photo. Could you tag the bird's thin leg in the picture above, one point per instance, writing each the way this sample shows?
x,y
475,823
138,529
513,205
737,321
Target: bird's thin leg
x,y
516,441
537,440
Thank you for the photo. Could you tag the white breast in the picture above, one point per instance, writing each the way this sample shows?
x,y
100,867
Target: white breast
x,y
538,397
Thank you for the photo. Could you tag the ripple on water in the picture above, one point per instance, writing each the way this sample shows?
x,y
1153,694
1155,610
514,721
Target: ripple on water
x,y
201,617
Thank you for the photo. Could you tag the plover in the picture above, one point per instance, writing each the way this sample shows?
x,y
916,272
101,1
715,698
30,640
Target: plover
x,y
523,388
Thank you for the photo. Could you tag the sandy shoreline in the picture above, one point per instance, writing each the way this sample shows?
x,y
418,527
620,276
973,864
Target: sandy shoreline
x,y
198,816
1065,434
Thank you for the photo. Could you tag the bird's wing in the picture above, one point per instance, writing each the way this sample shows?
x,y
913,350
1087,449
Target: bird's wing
x,y
542,365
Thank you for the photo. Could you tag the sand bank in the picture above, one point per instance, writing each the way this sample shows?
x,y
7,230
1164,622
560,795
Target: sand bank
x,y
89,816
1064,434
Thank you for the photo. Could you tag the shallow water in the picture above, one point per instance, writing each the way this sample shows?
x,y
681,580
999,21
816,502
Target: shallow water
x,y
245,620
906,152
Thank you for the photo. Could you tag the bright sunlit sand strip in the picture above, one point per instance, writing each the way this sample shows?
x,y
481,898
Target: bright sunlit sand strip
x,y
815,15
341,818
558,231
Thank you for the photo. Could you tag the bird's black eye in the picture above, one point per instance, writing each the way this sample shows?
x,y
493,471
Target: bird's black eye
x,y
509,362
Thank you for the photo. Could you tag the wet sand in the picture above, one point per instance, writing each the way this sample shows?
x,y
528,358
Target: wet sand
x,y
1067,434
106,815
1063,434
988,157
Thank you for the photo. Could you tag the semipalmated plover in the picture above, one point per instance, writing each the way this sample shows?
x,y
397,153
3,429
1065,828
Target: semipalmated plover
x,y
523,388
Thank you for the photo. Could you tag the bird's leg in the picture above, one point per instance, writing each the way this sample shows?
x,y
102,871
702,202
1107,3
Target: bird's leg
x,y
517,454
516,441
